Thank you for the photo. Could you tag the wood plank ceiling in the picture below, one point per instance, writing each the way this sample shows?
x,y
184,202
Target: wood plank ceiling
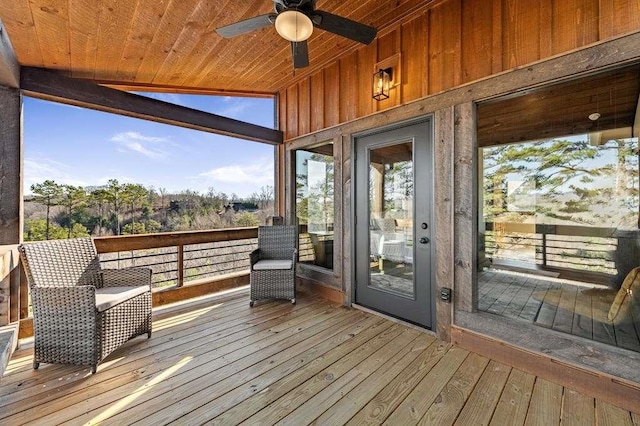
x,y
172,44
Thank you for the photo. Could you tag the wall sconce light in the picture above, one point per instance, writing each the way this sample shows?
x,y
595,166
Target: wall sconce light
x,y
382,83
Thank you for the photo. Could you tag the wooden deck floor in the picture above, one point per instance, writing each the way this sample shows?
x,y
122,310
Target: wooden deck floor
x,y
561,305
226,363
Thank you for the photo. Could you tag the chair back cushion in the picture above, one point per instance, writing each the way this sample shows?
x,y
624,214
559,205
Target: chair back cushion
x,y
276,242
632,279
61,263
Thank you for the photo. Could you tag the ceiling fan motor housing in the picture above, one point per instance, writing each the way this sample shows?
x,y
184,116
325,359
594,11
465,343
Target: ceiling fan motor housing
x,y
305,6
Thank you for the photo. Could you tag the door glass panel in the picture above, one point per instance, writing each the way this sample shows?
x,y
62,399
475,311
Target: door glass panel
x,y
391,219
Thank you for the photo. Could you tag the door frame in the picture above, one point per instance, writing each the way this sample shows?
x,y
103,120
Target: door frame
x,y
431,200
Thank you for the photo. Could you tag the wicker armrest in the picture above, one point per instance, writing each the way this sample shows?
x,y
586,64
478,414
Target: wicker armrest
x,y
60,301
126,277
254,257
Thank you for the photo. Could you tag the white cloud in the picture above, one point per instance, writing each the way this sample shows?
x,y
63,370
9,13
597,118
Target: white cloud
x,y
39,169
234,107
137,142
259,173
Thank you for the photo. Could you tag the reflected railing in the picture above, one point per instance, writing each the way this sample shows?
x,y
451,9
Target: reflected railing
x,y
595,254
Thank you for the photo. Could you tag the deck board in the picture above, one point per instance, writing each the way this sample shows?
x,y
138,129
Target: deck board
x,y
220,361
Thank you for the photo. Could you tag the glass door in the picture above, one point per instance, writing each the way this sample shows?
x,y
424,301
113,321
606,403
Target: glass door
x,y
393,223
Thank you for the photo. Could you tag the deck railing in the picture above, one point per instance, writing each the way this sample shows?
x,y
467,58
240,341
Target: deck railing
x,y
174,257
179,257
562,247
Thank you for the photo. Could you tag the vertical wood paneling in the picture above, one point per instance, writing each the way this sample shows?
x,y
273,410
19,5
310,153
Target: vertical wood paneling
x,y
477,40
520,32
282,110
618,17
367,57
455,42
292,112
332,95
546,25
575,24
497,48
304,106
348,87
317,101
388,45
414,58
444,46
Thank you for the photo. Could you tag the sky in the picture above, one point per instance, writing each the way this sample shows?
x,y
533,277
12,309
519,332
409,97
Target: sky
x,y
82,147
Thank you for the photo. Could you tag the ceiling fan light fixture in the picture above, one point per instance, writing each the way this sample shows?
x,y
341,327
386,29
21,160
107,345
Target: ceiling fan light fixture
x,y
293,25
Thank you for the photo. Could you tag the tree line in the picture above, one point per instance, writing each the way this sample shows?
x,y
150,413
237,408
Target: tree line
x,y
57,211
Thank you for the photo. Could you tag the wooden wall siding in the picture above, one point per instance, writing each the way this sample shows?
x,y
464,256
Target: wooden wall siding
x,y
456,42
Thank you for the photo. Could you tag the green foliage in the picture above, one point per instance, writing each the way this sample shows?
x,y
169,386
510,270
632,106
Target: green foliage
x,y
247,219
134,228
569,180
134,209
47,193
36,230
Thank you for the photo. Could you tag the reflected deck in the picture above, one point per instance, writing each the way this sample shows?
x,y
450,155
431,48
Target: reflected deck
x,y
562,305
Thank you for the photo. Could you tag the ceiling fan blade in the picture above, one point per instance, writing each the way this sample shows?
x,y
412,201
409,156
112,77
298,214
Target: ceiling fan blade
x,y
344,27
300,53
246,26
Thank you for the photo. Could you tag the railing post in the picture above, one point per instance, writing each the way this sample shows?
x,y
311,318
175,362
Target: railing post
x,y
180,265
24,294
544,249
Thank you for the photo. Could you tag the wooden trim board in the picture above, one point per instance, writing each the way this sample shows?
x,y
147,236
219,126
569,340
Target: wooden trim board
x,y
331,294
596,384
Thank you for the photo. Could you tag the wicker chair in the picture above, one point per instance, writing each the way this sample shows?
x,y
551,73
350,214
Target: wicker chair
x,y
82,312
273,264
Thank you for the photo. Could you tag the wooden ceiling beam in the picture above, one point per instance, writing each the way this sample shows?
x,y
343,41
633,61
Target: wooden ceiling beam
x,y
51,86
9,67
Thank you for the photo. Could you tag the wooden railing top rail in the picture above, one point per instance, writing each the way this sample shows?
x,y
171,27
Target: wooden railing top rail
x,y
171,239
571,230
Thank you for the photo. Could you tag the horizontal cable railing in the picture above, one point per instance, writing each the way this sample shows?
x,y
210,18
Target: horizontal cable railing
x,y
179,257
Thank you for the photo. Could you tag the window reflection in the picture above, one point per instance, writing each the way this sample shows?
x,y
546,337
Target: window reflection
x,y
314,171
559,244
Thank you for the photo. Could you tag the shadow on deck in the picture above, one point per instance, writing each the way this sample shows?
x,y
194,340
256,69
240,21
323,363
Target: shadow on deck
x,y
217,359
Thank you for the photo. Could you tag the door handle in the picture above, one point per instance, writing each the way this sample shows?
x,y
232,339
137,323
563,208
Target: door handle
x,y
424,240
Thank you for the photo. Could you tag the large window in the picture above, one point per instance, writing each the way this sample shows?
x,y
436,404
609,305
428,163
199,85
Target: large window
x,y
558,208
314,175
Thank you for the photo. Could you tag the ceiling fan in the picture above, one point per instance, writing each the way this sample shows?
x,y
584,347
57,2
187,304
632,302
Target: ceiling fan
x,y
294,21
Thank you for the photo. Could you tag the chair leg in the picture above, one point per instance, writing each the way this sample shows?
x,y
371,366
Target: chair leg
x,y
36,364
293,301
149,334
251,303
94,368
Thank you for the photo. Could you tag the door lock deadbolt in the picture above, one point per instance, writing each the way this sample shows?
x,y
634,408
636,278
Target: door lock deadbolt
x,y
424,240
424,225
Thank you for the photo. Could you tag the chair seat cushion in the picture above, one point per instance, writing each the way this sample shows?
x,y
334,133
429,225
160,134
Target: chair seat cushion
x,y
265,265
109,297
